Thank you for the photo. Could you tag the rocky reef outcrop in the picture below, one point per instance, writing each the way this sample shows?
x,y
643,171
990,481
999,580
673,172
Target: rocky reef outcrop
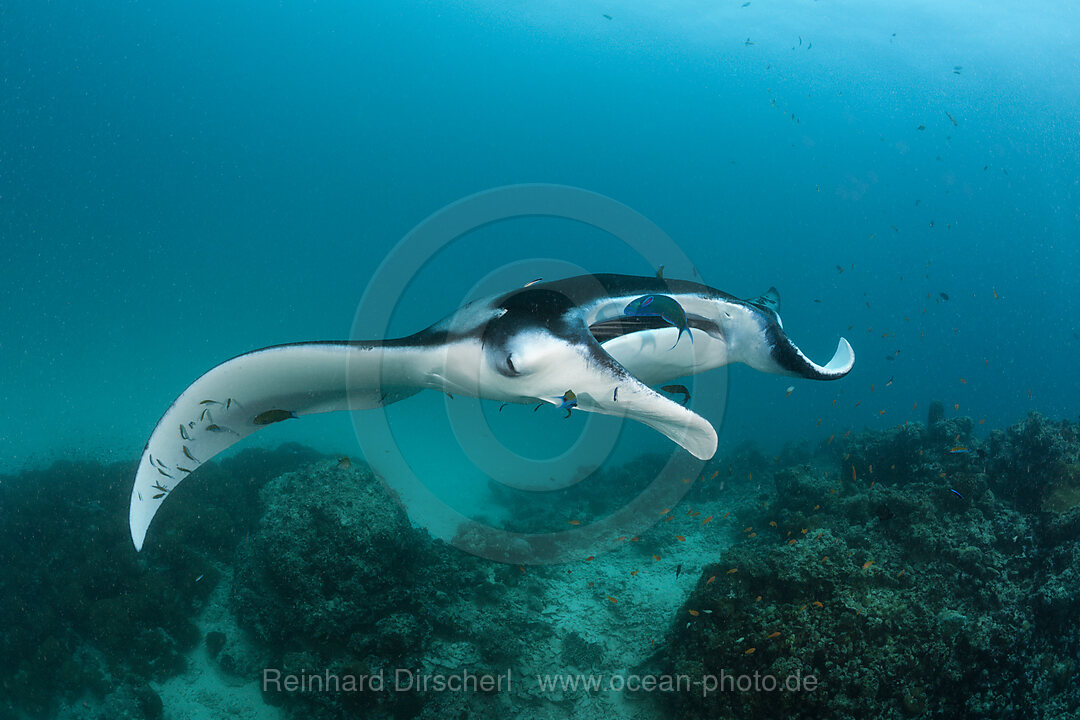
x,y
913,572
921,571
336,580
82,615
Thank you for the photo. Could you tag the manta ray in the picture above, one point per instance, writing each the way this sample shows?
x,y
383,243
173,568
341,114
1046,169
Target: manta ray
x,y
572,343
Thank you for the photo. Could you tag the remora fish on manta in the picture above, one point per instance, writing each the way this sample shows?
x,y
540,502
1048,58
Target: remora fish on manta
x,y
525,346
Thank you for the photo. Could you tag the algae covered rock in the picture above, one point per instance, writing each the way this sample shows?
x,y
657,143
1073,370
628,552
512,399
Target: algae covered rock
x,y
579,653
335,578
84,615
331,554
1035,463
920,588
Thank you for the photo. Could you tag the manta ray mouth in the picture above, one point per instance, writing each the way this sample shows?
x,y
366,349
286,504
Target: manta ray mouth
x,y
628,324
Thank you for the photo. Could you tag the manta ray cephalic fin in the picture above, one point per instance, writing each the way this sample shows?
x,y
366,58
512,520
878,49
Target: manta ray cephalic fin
x,y
598,375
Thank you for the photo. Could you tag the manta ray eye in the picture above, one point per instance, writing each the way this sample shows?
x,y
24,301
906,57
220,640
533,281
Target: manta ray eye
x,y
510,365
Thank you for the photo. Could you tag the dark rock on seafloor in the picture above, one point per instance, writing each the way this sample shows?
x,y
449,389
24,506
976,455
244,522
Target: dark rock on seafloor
x,y
908,577
215,641
335,576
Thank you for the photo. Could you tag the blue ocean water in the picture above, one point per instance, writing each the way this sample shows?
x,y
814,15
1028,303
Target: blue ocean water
x,y
182,183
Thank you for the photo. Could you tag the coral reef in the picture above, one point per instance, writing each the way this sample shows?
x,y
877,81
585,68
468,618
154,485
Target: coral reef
x,y
577,652
336,579
1036,462
915,571
82,613
910,572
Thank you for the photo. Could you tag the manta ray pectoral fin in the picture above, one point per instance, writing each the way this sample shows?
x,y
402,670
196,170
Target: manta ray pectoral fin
x,y
257,389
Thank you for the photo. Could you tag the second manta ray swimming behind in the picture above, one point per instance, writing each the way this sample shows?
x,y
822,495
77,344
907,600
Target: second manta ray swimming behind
x,y
528,345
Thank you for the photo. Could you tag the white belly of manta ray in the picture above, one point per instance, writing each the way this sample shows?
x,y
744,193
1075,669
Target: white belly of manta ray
x,y
571,343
